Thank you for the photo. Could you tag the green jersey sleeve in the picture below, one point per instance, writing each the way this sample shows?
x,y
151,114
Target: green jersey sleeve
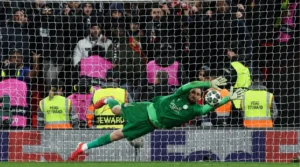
x,y
195,84
203,110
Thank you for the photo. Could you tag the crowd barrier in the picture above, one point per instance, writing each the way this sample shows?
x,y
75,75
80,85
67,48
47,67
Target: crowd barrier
x,y
162,145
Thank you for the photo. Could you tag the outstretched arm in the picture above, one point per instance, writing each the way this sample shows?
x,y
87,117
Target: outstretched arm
x,y
203,110
195,84
238,94
221,81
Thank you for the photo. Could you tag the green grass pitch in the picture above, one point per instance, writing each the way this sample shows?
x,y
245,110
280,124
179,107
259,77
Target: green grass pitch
x,y
148,164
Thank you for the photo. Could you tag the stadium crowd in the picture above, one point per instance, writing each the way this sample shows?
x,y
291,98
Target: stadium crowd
x,y
148,49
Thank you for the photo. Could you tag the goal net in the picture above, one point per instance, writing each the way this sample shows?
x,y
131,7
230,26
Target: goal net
x,y
59,57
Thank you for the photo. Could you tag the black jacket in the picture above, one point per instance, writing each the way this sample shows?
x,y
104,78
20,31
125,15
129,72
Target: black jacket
x,y
48,37
158,33
14,35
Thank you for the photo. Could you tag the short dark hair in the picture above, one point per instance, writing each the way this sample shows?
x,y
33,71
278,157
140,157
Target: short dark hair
x,y
15,10
257,75
154,5
15,51
111,75
84,85
236,47
211,73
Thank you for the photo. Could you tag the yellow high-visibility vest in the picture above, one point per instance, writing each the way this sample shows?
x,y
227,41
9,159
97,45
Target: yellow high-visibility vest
x,y
243,79
256,105
104,118
56,112
4,75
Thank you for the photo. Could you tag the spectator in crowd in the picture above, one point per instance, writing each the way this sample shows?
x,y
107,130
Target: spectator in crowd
x,y
85,45
104,118
257,100
126,60
81,100
160,87
158,30
115,15
87,17
196,39
72,8
96,65
70,17
133,26
227,24
5,10
34,8
18,93
56,111
182,46
25,74
15,34
76,23
48,37
136,36
235,55
202,75
131,9
165,61
238,76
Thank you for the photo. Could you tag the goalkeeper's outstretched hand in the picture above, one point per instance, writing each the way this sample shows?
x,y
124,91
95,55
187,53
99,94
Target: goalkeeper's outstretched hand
x,y
236,95
221,81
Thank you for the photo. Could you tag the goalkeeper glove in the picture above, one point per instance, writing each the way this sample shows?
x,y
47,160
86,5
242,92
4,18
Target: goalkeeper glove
x,y
221,81
236,95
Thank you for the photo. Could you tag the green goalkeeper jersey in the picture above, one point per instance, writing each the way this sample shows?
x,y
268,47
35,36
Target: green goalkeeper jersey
x,y
174,110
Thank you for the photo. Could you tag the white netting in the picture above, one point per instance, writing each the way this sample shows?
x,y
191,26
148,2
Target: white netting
x,y
149,48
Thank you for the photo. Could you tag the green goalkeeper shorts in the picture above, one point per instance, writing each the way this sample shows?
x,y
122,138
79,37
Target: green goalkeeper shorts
x,y
136,118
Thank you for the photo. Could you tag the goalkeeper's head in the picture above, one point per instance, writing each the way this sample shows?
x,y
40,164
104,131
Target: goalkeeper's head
x,y
194,96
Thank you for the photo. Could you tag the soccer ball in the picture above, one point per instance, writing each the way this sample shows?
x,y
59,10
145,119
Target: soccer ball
x,y
213,98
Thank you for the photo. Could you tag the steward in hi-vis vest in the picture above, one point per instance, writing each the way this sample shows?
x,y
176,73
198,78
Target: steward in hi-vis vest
x,y
56,111
258,105
103,118
237,73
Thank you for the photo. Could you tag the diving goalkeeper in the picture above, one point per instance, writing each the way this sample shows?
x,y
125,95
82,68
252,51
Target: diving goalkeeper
x,y
165,112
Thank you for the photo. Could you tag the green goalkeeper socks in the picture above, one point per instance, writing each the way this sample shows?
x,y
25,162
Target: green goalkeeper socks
x,y
101,141
112,102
